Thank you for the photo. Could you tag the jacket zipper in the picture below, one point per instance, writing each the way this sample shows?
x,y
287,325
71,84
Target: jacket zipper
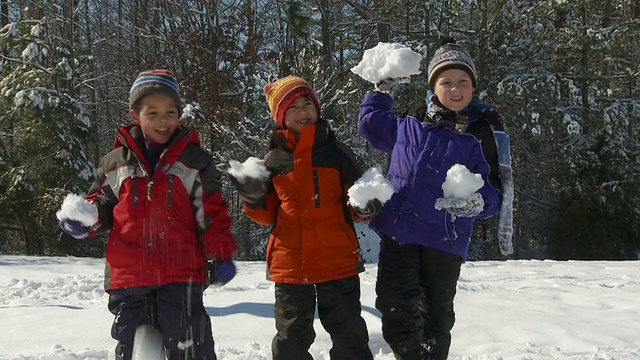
x,y
170,190
149,189
134,189
316,188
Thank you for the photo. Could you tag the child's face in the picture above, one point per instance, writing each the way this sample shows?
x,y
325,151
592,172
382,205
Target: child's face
x,y
454,89
301,113
158,117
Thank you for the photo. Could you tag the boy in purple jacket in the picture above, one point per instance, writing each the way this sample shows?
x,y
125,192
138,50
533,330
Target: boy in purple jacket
x,y
422,248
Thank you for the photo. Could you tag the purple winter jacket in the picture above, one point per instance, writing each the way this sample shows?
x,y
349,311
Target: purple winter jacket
x,y
421,154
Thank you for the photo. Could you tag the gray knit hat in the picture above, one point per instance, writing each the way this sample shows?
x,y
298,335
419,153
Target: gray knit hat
x,y
152,82
450,56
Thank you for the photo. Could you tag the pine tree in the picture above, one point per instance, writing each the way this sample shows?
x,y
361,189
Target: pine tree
x,y
44,123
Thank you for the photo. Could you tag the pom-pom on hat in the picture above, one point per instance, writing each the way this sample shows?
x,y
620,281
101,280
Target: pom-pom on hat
x,y
450,56
153,82
282,93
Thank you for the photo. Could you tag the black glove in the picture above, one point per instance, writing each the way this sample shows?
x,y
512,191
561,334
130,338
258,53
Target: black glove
x,y
251,190
371,209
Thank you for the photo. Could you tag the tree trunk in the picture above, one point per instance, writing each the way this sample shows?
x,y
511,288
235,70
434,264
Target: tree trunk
x,y
4,13
327,35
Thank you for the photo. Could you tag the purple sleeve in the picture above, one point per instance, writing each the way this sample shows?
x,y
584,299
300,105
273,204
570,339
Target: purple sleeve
x,y
492,197
492,200
376,122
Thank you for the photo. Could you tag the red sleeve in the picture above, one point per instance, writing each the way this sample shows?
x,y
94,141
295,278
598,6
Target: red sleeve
x,y
219,242
102,196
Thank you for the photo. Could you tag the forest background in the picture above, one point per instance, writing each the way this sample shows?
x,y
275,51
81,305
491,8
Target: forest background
x,y
564,75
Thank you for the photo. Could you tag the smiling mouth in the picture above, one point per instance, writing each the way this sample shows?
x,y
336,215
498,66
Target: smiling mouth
x,y
303,121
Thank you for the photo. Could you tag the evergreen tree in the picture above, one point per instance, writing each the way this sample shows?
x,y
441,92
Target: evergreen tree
x,y
44,129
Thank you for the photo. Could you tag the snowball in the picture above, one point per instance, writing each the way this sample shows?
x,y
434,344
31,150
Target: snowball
x,y
78,208
252,167
388,60
371,185
461,183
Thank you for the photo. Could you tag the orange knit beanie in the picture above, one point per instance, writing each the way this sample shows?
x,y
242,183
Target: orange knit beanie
x,y
282,93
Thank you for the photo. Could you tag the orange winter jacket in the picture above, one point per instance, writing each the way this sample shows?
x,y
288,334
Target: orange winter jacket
x,y
313,239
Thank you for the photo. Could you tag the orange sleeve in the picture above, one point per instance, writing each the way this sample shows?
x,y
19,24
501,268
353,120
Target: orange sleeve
x,y
266,214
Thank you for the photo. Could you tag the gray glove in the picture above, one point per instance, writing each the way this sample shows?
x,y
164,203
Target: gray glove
x,y
251,190
387,85
471,207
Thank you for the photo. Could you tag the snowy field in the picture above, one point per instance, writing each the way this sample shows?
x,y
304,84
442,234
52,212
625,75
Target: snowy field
x,y
55,308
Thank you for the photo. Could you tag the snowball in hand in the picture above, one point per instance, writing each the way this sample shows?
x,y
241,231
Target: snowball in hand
x,y
461,183
371,185
252,167
388,60
78,208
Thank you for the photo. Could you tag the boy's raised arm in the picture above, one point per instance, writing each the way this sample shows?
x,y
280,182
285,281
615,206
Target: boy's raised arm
x,y
376,122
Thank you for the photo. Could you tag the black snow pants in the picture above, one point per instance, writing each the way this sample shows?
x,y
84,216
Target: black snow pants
x,y
339,312
176,309
415,290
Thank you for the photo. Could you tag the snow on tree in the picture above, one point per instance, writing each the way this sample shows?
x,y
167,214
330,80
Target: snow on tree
x,y
43,120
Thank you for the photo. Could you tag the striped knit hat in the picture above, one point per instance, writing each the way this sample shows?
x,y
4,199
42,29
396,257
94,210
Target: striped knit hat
x,y
282,93
153,82
450,56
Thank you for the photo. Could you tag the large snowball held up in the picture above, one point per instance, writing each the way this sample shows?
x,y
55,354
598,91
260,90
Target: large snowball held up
x,y
252,167
78,208
388,60
372,184
461,183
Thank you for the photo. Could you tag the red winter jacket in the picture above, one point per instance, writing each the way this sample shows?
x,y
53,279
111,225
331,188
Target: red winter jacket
x,y
162,227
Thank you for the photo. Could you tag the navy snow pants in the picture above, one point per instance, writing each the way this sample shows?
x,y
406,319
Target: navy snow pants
x,y
176,309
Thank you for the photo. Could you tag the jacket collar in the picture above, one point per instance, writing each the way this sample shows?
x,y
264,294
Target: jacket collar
x,y
131,137
311,136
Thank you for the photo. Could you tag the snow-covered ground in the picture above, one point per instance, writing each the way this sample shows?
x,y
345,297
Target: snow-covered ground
x,y
55,308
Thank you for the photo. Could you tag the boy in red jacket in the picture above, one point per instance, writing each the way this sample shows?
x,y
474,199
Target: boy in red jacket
x,y
158,193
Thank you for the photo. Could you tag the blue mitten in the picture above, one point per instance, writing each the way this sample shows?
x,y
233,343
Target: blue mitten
x,y
221,272
74,228
472,207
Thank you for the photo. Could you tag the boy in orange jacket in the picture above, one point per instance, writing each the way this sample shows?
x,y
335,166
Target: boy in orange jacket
x,y
313,255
